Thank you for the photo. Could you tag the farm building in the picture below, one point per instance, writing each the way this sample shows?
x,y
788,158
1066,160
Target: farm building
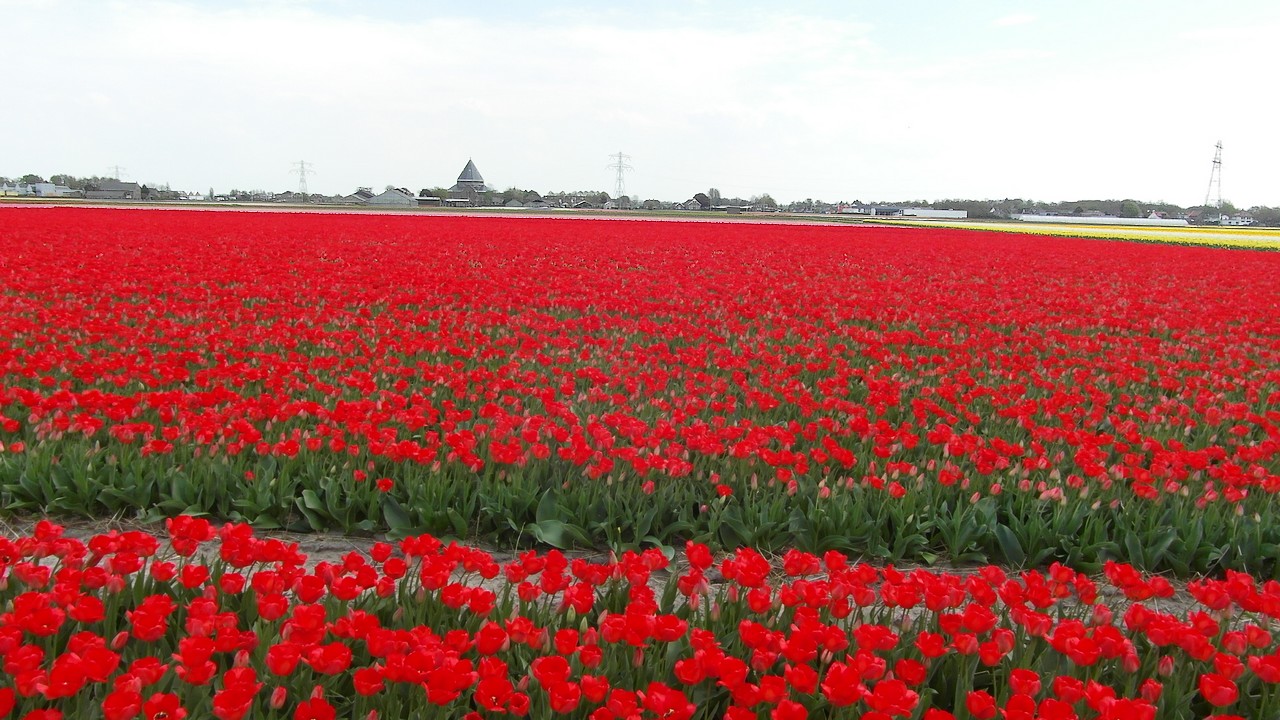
x,y
931,213
359,197
470,186
1239,219
393,197
40,189
114,190
870,210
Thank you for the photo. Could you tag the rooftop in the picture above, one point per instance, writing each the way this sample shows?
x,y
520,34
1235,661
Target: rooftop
x,y
470,174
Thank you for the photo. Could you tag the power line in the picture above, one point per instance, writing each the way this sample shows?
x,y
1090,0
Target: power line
x,y
1215,178
620,165
302,169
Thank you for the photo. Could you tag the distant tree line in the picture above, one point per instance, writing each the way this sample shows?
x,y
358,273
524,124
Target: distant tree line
x,y
71,181
1126,208
981,209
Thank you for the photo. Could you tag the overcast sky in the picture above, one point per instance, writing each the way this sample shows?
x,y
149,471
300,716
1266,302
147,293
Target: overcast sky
x,y
830,100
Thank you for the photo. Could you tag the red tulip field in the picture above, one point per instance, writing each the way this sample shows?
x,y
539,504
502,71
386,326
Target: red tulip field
x,y
824,471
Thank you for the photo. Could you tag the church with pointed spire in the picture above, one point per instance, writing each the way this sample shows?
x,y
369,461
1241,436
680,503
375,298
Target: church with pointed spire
x,y
470,187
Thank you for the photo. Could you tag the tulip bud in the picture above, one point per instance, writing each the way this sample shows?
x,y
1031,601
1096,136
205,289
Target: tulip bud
x,y
317,692
1102,615
119,640
1151,690
278,697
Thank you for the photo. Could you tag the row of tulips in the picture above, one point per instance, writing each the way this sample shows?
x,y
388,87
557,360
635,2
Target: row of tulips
x,y
1260,238
209,621
907,394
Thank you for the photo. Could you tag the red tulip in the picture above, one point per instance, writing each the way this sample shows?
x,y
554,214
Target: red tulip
x,y
788,710
314,709
980,704
163,706
1026,682
117,705
1219,691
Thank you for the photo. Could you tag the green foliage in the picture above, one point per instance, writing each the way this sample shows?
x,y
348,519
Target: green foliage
x,y
554,505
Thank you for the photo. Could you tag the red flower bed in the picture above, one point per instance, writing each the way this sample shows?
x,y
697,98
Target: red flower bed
x,y
900,393
127,625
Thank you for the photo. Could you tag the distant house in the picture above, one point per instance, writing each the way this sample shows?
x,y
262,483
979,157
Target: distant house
x,y
690,204
359,197
114,190
513,203
1239,219
394,197
470,186
427,198
159,194
18,189
48,189
932,213
869,210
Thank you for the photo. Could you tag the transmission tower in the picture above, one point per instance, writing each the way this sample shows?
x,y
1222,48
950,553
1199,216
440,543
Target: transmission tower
x,y
620,166
1215,178
115,171
303,169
